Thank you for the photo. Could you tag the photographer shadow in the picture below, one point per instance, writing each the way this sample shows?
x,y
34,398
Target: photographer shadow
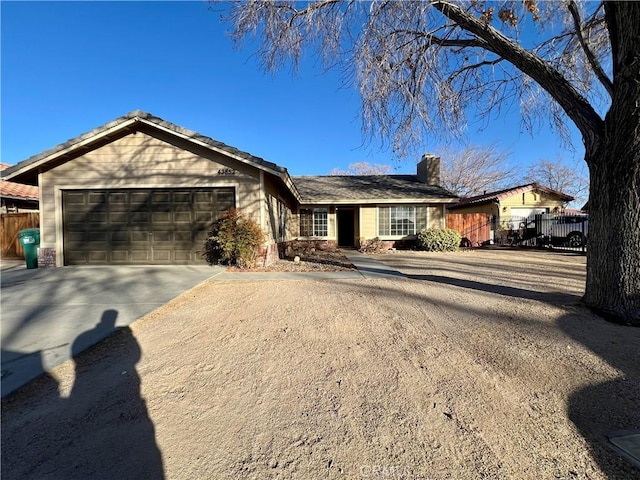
x,y
102,430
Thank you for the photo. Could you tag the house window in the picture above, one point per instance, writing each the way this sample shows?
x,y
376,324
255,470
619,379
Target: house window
x,y
401,221
314,222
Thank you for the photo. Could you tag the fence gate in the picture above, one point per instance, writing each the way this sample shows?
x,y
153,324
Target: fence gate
x,y
10,225
475,228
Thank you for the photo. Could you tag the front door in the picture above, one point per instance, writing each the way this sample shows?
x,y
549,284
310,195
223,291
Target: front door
x,y
346,227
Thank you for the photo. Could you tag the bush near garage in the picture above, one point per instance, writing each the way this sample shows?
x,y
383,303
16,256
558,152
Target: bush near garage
x,y
234,240
439,240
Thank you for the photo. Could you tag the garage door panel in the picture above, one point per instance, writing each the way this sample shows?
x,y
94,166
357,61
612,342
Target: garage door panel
x,y
161,255
75,237
161,217
140,225
139,236
141,218
95,217
119,217
182,217
159,236
119,236
97,198
204,217
140,256
139,198
98,236
182,256
200,237
183,236
119,256
76,257
181,197
75,198
98,256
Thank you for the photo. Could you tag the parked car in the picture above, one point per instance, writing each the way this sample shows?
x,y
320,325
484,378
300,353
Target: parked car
x,y
565,230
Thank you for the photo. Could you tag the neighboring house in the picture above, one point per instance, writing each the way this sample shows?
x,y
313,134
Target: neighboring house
x,y
509,207
141,190
16,197
521,201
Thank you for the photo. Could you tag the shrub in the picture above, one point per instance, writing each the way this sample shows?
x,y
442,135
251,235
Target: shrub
x,y
234,239
439,240
374,245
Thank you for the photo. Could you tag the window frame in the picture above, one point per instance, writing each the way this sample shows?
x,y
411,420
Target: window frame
x,y
311,223
418,215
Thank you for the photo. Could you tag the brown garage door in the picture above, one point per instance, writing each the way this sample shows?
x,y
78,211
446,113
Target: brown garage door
x,y
140,226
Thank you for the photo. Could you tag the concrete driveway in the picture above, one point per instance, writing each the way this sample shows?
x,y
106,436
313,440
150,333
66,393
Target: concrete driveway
x,y
49,315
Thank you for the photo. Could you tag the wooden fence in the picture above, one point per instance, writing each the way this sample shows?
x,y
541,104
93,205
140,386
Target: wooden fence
x,y
474,227
10,225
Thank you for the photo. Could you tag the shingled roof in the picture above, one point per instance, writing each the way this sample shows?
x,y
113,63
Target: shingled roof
x,y
307,189
494,197
129,121
372,188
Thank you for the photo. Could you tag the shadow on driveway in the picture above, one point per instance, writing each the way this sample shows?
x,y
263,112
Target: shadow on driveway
x,y
44,310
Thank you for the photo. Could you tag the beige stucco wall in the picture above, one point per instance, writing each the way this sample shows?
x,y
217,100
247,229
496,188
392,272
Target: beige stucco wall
x,y
530,199
435,216
368,221
141,160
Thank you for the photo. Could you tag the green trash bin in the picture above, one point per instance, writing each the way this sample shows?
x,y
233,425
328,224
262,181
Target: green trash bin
x,y
30,241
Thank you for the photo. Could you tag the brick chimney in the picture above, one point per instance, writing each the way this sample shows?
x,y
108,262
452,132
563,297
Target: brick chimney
x,y
429,169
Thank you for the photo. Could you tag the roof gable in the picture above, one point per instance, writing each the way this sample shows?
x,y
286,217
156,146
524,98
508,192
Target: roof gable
x,y
306,189
497,196
129,123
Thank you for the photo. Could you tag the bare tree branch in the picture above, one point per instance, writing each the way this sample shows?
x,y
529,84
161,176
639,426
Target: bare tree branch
x,y
574,104
569,179
474,170
486,63
593,61
421,67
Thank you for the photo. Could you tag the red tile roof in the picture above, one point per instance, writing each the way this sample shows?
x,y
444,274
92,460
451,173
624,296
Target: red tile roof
x,y
502,194
18,191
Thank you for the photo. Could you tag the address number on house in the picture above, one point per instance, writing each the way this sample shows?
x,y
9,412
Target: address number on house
x,y
226,171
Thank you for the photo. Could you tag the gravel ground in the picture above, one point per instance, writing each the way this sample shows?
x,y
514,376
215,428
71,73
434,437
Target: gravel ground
x,y
315,261
480,364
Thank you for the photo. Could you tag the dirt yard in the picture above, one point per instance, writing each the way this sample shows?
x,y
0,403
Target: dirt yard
x,y
478,365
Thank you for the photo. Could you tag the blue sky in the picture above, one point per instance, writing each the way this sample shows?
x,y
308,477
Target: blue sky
x,y
68,67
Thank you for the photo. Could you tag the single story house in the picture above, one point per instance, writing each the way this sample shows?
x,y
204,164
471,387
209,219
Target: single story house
x,y
16,197
142,190
521,201
508,209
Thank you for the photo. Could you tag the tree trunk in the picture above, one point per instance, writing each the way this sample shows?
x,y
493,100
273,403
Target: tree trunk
x,y
613,249
613,156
